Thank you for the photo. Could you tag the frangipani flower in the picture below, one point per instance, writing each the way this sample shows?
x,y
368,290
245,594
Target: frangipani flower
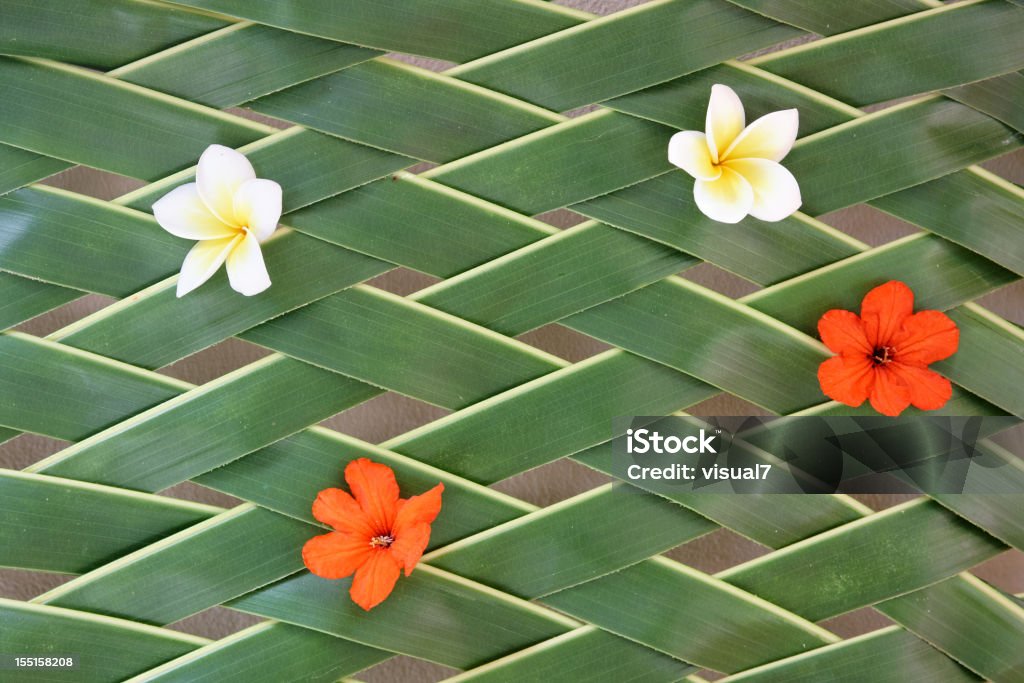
x,y
737,168
230,211
377,534
884,354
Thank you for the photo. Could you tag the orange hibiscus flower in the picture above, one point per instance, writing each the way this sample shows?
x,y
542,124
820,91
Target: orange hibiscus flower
x,y
377,534
885,352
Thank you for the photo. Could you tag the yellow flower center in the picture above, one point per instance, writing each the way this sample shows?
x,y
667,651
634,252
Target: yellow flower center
x,y
384,541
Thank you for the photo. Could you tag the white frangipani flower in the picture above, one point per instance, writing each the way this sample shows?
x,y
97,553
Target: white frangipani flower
x,y
736,168
230,211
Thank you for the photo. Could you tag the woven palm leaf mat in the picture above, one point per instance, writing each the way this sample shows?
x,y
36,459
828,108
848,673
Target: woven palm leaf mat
x,y
508,591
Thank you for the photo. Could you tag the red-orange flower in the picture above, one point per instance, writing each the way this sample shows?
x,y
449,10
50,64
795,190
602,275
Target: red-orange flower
x,y
377,534
884,354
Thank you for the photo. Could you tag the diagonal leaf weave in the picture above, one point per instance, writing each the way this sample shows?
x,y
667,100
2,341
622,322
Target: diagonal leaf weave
x,y
579,590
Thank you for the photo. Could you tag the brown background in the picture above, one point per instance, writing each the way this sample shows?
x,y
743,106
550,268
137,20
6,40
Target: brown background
x,y
391,414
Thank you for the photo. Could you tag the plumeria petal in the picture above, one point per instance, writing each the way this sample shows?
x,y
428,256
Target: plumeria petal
x,y
928,389
776,193
770,137
843,332
890,395
374,580
335,555
409,546
847,380
183,214
376,491
689,151
727,199
257,206
221,171
202,261
725,119
884,310
247,272
926,337
337,508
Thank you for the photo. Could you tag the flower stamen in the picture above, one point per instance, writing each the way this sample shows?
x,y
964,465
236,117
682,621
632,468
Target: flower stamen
x,y
383,541
882,355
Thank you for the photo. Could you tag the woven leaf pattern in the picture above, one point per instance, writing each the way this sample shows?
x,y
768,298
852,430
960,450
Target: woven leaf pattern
x,y
579,590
